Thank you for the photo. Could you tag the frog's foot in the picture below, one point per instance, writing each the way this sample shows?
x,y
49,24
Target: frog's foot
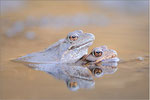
x,y
89,63
98,63
111,58
82,60
85,64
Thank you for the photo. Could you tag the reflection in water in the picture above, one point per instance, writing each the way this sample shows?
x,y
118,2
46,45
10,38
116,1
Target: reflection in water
x,y
106,67
76,76
99,71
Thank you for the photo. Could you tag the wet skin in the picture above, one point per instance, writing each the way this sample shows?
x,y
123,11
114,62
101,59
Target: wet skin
x,y
68,60
75,76
98,55
69,49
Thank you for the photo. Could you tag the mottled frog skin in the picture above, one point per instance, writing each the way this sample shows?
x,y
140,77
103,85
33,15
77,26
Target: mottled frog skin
x,y
69,49
75,76
68,60
104,68
98,55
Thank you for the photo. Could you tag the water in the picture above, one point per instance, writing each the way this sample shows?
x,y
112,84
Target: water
x,y
125,33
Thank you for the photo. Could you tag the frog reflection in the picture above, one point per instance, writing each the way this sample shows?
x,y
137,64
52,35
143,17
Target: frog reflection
x,y
72,85
104,68
75,76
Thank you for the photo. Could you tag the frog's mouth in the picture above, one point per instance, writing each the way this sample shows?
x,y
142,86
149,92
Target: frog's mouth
x,y
86,44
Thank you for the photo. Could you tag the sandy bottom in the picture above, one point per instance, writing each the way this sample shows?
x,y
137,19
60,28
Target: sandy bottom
x,y
127,34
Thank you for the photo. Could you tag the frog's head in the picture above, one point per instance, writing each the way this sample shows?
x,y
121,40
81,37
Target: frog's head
x,y
101,53
79,40
77,44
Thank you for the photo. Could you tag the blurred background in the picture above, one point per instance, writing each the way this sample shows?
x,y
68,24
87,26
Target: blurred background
x,y
30,26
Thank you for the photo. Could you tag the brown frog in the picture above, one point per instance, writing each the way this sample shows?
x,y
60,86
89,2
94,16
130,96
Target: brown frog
x,y
67,50
98,55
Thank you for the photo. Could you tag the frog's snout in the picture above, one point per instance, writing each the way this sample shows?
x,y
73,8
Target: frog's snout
x,y
91,36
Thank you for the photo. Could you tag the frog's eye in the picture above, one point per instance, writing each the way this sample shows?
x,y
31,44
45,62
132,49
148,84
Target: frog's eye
x,y
73,37
97,53
73,84
97,72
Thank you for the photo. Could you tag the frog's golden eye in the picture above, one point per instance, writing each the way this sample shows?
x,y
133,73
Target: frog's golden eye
x,y
97,53
97,72
72,84
73,37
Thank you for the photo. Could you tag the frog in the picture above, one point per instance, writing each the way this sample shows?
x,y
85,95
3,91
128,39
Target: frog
x,y
99,55
76,75
69,49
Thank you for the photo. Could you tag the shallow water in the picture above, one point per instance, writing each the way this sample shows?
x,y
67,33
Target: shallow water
x,y
127,33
